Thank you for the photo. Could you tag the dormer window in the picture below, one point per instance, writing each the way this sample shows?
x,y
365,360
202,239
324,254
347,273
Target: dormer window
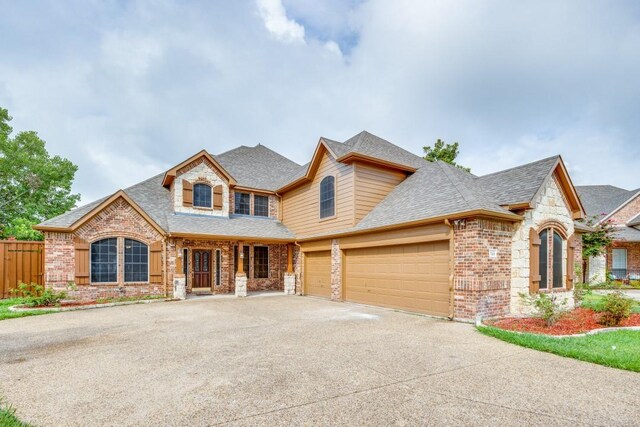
x,y
327,197
202,196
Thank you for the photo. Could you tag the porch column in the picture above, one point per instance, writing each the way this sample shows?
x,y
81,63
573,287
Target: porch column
x,y
241,276
289,276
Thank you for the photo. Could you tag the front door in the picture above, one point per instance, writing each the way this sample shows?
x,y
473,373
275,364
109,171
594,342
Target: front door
x,y
201,269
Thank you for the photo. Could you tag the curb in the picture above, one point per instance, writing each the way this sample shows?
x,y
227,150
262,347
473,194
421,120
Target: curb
x,y
20,308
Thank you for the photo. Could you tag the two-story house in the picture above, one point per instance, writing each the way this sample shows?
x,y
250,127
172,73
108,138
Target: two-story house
x,y
364,221
621,208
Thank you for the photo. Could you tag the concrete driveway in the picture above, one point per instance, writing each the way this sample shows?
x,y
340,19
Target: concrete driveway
x,y
292,360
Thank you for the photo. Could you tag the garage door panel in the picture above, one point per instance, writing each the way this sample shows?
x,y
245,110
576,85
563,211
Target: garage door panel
x,y
317,274
413,277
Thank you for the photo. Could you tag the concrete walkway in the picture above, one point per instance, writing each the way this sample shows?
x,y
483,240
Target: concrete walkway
x,y
631,293
292,361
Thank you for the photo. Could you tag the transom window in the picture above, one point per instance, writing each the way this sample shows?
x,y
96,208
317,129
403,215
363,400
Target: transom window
x,y
327,197
136,261
202,195
104,261
261,262
260,205
243,203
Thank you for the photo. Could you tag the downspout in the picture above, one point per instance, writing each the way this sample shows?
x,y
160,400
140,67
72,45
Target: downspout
x,y
451,270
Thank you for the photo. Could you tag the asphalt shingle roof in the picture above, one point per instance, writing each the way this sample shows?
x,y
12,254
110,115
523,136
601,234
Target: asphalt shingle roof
x,y
519,184
601,200
235,225
257,167
629,234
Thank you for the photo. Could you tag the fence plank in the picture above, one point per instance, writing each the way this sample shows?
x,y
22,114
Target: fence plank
x,y
20,261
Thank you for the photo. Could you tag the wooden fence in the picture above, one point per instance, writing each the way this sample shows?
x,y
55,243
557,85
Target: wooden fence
x,y
20,261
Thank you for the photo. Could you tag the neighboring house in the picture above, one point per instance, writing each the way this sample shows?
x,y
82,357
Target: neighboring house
x,y
364,221
622,208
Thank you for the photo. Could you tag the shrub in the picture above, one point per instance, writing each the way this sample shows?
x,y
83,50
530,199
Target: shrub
x,y
548,308
580,290
616,307
35,295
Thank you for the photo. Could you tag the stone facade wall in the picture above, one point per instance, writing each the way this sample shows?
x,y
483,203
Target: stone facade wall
x,y
550,206
119,220
628,212
482,268
298,268
200,171
336,270
597,269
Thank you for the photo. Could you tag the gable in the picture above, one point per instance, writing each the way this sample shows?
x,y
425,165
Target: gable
x,y
628,212
192,162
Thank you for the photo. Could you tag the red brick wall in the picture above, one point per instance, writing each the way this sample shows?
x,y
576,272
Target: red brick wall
x,y
628,212
633,255
59,258
481,283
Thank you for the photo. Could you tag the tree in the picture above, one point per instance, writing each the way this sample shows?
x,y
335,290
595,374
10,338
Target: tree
x,y
33,185
595,242
443,152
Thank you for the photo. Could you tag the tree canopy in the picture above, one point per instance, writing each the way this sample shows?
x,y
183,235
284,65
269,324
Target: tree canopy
x,y
443,152
33,185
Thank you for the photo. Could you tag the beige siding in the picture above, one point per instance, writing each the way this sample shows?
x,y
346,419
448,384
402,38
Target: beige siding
x,y
301,206
372,184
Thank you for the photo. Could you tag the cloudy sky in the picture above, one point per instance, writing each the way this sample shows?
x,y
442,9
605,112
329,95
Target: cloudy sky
x,y
127,89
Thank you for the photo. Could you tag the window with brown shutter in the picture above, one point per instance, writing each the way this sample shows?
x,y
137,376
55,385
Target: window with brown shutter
x,y
571,250
187,193
155,262
534,261
217,197
82,262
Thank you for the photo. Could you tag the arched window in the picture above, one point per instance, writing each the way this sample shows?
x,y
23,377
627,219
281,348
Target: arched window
x,y
104,261
550,261
202,195
136,261
327,197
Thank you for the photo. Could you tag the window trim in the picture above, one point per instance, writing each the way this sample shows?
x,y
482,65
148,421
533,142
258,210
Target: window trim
x,y
268,276
254,205
217,279
91,282
235,202
626,258
553,227
333,215
124,261
193,197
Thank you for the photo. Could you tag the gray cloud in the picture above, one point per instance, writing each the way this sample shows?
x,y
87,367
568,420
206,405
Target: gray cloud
x,y
126,90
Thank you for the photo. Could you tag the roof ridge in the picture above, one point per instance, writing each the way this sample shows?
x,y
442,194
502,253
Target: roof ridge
x,y
520,166
449,178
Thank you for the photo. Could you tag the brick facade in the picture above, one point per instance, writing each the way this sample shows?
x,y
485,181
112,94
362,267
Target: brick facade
x,y
627,213
482,268
633,257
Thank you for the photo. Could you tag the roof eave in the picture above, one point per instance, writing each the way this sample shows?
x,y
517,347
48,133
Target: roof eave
x,y
238,238
352,157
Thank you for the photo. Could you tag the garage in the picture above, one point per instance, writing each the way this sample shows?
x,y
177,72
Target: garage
x,y
412,277
317,273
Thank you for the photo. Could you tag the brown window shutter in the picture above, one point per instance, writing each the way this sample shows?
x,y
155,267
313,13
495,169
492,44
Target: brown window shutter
x,y
534,261
82,262
187,193
155,262
217,197
571,250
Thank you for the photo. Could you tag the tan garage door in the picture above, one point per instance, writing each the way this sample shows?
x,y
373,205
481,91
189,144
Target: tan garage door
x,y
409,277
317,273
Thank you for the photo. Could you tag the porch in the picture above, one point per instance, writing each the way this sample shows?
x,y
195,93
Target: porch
x,y
212,267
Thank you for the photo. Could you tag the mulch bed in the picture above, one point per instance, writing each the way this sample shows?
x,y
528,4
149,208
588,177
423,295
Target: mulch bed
x,y
576,321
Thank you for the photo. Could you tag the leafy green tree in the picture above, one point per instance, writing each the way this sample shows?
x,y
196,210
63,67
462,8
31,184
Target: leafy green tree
x,y
595,242
443,152
33,185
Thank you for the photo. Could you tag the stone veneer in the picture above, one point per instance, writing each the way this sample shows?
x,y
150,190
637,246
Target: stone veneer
x,y
336,270
482,268
549,206
200,171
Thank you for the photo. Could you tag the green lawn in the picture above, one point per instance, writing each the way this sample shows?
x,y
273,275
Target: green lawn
x,y
8,418
618,349
595,303
6,314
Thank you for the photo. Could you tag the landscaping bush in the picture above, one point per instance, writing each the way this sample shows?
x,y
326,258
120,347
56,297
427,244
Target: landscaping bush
x,y
35,295
580,290
548,308
616,307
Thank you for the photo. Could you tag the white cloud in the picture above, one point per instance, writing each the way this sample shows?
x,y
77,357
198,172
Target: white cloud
x,y
276,22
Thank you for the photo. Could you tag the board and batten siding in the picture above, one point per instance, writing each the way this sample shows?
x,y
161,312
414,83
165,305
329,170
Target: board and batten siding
x,y
301,206
372,184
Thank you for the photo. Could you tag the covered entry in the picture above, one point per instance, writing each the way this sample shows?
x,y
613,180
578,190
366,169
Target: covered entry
x,y
317,273
412,277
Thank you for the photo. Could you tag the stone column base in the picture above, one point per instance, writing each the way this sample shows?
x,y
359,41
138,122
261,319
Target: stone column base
x,y
289,283
241,285
179,286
